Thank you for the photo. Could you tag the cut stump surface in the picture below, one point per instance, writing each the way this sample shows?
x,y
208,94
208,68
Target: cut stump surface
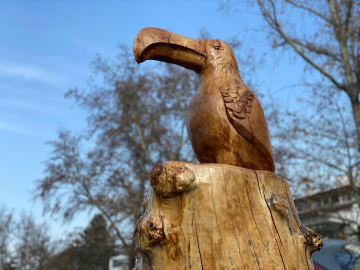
x,y
212,216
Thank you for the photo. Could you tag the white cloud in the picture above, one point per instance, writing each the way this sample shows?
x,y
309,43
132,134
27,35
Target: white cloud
x,y
48,109
17,129
28,72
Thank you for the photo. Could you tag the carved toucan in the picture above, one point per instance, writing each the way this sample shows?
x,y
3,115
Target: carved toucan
x,y
224,119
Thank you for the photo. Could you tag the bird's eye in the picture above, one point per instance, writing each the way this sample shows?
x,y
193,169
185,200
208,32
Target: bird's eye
x,y
216,44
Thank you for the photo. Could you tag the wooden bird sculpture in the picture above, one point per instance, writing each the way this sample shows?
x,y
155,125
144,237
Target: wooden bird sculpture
x,y
216,216
224,119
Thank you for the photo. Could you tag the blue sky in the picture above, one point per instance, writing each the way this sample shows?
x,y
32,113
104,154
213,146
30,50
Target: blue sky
x,y
46,48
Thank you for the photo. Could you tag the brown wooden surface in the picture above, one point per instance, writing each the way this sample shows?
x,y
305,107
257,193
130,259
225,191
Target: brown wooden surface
x,y
225,121
212,216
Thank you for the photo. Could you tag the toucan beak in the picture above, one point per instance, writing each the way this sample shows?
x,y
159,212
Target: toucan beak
x,y
158,44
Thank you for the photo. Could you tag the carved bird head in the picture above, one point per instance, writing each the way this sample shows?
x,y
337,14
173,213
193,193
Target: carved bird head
x,y
201,56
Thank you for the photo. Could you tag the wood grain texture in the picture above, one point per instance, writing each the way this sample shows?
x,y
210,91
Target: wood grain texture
x,y
212,216
224,119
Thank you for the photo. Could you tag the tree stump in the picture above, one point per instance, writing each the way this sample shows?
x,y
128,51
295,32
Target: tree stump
x,y
213,216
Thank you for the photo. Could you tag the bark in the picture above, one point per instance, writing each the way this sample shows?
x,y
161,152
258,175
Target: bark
x,y
212,216
356,110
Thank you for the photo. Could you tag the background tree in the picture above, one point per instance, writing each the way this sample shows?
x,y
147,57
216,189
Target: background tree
x,y
316,143
316,149
90,250
33,247
6,225
24,244
331,46
136,120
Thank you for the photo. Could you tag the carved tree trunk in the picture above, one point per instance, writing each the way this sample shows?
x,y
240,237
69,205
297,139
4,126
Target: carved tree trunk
x,y
211,216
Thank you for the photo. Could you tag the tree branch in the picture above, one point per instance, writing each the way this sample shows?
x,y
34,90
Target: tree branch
x,y
342,38
316,159
343,124
348,14
143,146
276,26
313,11
317,50
95,203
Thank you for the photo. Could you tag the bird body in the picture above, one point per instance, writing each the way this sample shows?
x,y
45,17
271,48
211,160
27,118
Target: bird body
x,y
215,139
224,119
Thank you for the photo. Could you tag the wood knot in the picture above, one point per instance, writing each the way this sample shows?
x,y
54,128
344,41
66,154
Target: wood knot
x,y
279,204
154,227
312,239
171,179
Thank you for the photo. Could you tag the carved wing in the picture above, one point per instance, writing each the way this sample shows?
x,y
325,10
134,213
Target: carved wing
x,y
246,115
238,100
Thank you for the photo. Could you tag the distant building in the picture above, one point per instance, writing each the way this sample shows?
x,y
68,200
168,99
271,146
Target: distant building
x,y
118,262
331,214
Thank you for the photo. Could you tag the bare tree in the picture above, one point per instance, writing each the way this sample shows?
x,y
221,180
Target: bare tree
x,y
24,244
6,225
91,249
331,46
315,144
33,247
136,120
